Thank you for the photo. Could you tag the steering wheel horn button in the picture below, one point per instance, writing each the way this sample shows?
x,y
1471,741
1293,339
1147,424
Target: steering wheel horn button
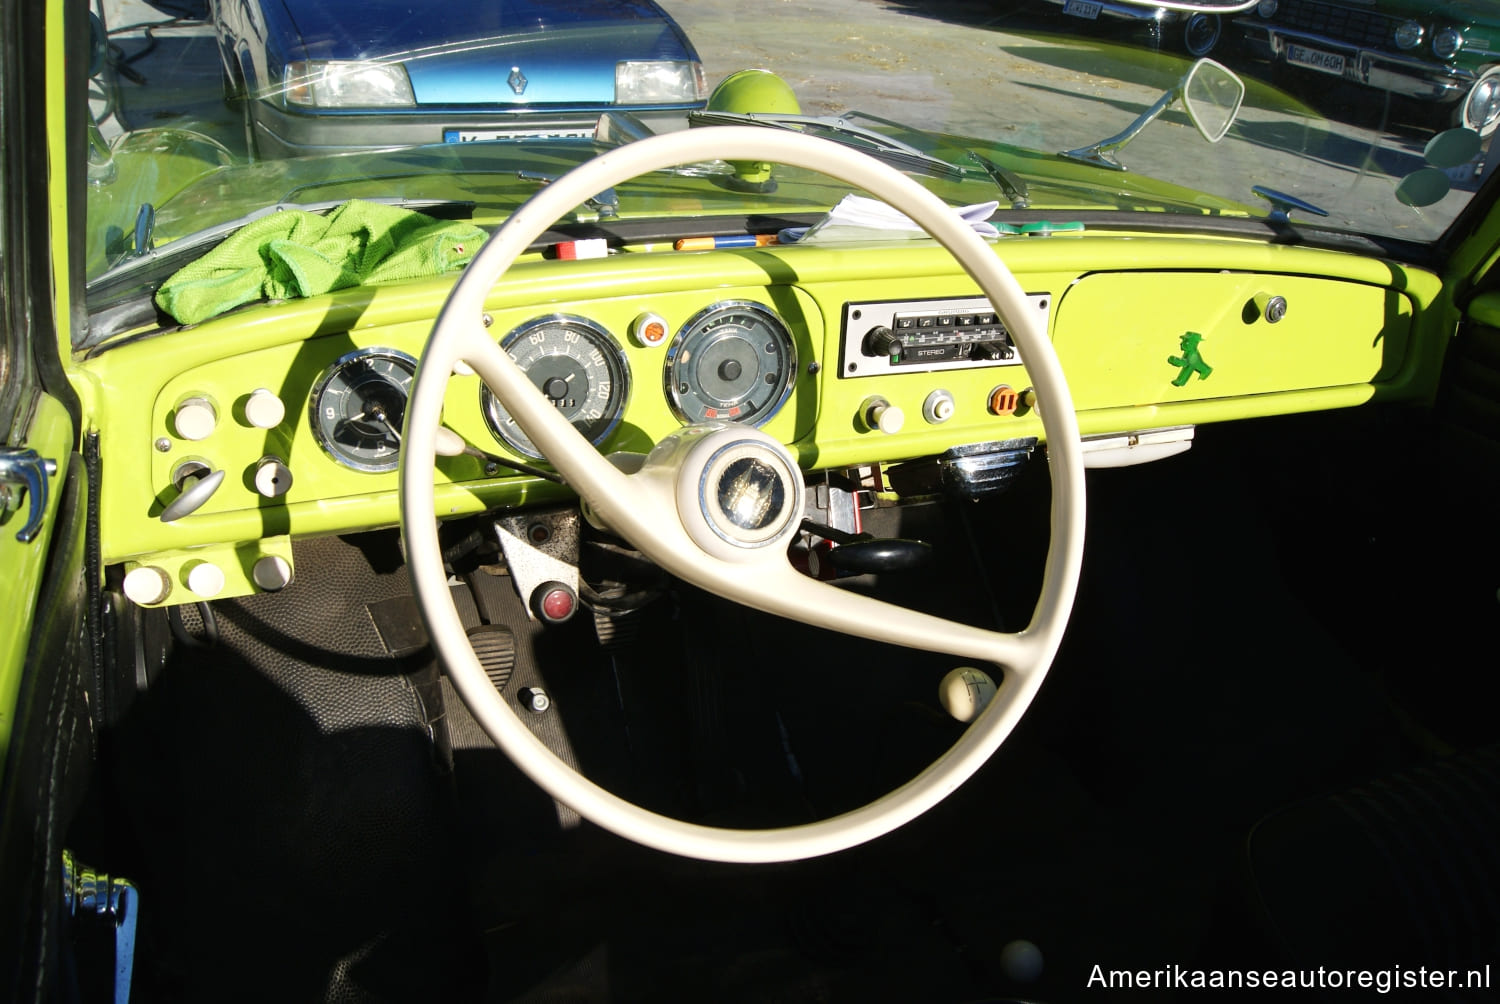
x,y
749,491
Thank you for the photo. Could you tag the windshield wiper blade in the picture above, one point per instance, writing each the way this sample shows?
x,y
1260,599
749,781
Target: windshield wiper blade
x,y
886,149
899,155
147,260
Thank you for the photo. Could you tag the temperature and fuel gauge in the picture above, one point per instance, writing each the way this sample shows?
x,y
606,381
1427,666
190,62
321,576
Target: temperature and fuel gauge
x,y
358,405
734,362
577,366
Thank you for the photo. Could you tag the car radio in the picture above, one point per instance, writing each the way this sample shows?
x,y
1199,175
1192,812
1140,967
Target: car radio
x,y
917,335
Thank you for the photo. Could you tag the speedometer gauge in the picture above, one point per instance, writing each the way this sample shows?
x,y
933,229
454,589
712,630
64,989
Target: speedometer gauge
x,y
358,405
734,361
577,366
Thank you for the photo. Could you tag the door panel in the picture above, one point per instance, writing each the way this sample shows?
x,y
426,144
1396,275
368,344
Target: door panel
x,y
43,710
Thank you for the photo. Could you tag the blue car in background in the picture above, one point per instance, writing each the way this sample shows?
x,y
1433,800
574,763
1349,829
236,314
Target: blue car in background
x,y
322,75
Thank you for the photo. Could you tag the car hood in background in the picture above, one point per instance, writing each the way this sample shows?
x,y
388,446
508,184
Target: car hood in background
x,y
510,52
193,186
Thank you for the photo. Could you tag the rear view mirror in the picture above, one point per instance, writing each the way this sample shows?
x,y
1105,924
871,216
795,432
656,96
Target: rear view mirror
x,y
1209,91
1212,94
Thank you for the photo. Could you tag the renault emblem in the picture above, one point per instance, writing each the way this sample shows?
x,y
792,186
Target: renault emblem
x,y
517,80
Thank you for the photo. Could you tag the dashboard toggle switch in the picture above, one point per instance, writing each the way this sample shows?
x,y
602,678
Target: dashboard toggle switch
x,y
196,483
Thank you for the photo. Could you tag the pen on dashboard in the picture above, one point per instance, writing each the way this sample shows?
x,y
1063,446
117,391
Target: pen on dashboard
x,y
732,241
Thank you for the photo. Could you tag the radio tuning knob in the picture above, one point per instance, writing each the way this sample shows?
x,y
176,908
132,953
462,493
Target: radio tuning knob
x,y
883,341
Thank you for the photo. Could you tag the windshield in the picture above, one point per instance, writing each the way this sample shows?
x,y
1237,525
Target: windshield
x,y
1366,118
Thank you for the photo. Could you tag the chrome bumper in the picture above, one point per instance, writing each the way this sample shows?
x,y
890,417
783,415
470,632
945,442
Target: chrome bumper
x,y
1386,71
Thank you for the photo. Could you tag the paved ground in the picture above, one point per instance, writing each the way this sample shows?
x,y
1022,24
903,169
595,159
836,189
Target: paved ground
x,y
963,64
970,67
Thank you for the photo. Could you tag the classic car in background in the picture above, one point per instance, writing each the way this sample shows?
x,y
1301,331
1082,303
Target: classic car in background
x,y
332,75
1196,33
1446,54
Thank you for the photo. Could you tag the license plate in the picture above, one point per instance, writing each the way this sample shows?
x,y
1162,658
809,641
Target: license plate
x,y
1316,59
1082,8
486,135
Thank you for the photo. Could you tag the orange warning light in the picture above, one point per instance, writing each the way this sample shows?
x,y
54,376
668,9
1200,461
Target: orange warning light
x,y
1004,400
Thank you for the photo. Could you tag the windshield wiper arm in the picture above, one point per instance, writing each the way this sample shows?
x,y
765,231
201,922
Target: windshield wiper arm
x,y
606,203
1013,185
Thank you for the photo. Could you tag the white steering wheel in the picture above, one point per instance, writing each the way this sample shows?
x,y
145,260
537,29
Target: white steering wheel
x,y
717,505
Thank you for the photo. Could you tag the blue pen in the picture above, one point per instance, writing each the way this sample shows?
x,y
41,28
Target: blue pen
x,y
732,241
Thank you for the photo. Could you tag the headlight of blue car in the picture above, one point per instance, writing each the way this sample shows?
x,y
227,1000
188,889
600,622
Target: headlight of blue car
x,y
659,82
347,84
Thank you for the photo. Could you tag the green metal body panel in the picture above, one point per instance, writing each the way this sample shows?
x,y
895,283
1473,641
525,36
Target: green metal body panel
x,y
25,564
1354,330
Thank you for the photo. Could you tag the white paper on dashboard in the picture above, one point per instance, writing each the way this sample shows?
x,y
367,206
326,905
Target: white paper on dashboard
x,y
858,218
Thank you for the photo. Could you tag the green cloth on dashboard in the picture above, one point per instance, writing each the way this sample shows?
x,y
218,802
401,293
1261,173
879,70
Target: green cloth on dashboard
x,y
295,253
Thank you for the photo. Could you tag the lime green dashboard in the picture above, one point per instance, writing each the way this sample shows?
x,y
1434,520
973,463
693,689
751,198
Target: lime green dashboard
x,y
1153,332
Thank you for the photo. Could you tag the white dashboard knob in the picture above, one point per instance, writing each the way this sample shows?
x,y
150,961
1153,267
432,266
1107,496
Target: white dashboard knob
x,y
206,579
264,409
147,585
880,415
889,419
195,418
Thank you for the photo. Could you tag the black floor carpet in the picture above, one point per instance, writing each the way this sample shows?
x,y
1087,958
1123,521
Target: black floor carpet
x,y
312,781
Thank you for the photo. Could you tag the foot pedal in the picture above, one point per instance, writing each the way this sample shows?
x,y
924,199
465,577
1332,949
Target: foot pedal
x,y
495,648
617,631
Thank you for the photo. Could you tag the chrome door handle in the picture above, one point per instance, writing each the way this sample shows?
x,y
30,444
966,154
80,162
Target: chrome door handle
x,y
24,473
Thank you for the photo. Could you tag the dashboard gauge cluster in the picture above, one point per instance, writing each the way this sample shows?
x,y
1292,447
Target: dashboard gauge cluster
x,y
734,361
580,368
357,407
